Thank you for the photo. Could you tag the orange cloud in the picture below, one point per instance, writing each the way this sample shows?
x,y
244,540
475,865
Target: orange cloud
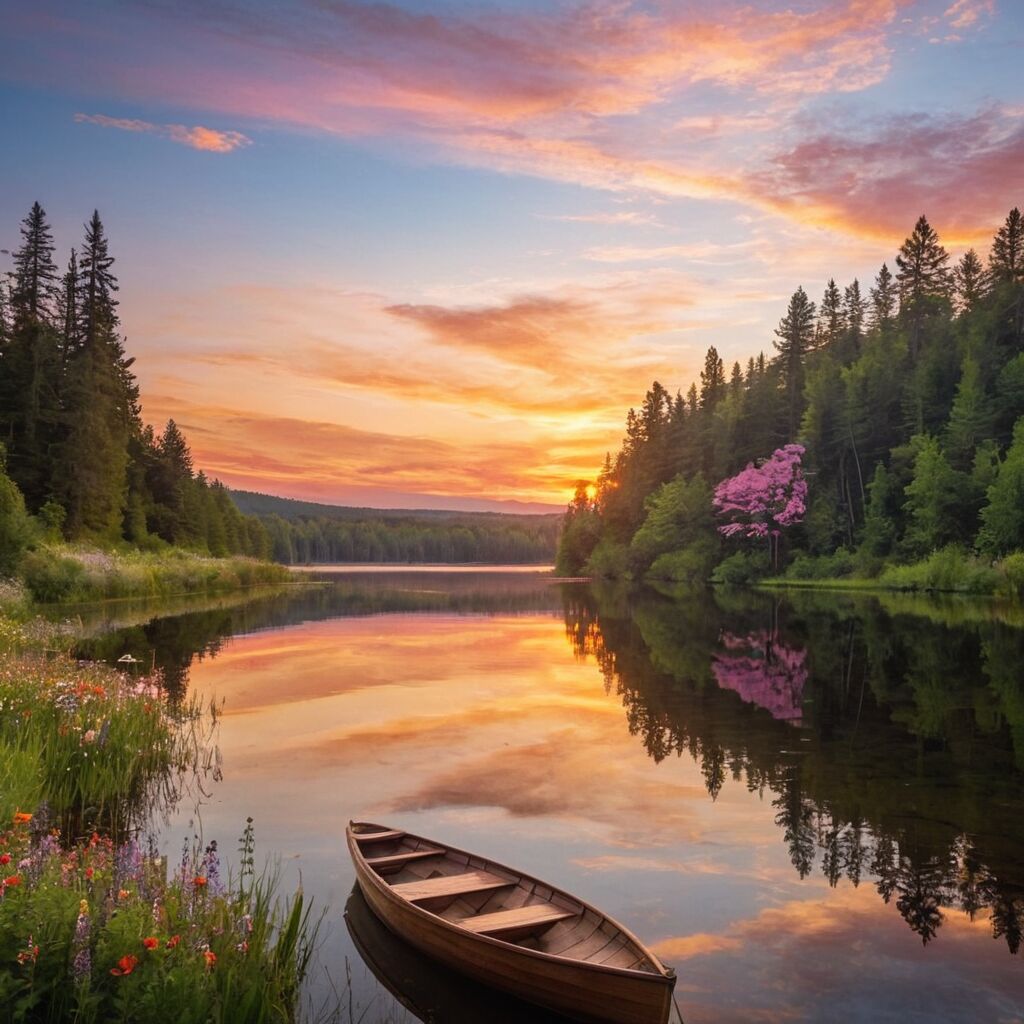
x,y
209,139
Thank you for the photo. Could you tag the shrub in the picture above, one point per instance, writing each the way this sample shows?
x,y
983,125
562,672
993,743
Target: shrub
x,y
51,578
741,567
1011,569
692,564
821,567
949,569
609,560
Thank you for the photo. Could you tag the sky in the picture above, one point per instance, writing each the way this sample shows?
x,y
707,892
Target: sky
x,y
427,254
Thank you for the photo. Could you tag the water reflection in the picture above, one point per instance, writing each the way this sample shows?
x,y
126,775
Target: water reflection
x,y
905,770
786,784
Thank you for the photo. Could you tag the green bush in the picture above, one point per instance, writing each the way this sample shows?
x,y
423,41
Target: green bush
x,y
741,567
950,569
609,560
51,578
16,527
1011,569
692,564
821,567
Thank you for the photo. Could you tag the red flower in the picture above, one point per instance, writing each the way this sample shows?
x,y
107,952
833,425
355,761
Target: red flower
x,y
173,941
22,818
151,942
199,881
125,965
211,957
5,858
12,880
88,872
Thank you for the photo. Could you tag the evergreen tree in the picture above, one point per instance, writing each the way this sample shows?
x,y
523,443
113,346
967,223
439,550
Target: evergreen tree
x,y
70,312
969,280
970,419
1002,519
884,297
31,393
830,317
933,497
1006,259
855,312
712,380
922,277
101,404
795,335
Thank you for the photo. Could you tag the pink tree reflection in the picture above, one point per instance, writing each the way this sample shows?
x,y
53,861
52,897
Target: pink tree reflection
x,y
769,674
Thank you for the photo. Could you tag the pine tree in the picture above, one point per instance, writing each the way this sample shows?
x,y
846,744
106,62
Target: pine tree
x,y
883,300
1002,518
923,278
101,406
830,317
712,380
855,311
70,312
1006,259
933,496
969,280
31,393
795,335
970,419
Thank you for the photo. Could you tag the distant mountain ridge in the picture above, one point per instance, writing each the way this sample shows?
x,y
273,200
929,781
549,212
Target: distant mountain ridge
x,y
304,532
258,504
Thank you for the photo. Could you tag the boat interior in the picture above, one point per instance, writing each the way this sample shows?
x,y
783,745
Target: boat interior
x,y
490,900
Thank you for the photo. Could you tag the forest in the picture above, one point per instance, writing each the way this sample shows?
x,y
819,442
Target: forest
x,y
881,439
303,532
76,460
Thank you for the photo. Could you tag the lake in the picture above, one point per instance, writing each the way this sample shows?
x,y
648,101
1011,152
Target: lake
x,y
809,804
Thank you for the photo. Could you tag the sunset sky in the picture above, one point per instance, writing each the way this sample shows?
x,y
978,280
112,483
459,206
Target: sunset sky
x,y
426,254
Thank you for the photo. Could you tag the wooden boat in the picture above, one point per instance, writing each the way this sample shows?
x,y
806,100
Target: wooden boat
x,y
509,930
430,991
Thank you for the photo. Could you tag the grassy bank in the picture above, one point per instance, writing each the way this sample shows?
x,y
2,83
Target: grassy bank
x,y
64,573
950,570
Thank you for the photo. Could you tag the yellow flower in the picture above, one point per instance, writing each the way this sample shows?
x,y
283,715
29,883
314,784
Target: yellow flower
x,y
83,907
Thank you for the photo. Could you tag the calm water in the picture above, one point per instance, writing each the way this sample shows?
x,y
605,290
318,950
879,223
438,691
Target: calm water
x,y
810,806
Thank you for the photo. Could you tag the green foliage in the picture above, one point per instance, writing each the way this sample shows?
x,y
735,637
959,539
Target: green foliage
x,y
950,569
691,564
742,568
69,573
609,560
16,531
679,515
1011,569
113,939
837,565
1003,516
934,497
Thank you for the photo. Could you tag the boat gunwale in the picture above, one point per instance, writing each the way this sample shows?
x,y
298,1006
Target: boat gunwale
x,y
665,975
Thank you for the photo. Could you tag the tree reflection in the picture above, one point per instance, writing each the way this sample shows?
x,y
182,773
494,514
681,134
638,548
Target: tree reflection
x,y
909,724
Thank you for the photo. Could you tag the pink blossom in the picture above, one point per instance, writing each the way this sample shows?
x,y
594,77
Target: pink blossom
x,y
761,499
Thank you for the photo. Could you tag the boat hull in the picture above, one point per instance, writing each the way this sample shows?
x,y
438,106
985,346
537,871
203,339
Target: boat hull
x,y
581,991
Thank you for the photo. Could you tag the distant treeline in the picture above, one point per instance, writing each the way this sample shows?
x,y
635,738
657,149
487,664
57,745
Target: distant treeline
x,y
303,532
80,463
908,398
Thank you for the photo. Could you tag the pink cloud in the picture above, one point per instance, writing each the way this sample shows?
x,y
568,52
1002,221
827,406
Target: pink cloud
x,y
197,137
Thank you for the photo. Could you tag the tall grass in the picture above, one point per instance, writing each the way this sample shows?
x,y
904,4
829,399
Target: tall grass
x,y
68,573
104,747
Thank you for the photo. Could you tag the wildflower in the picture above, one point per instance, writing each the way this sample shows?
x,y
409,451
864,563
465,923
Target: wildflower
x,y
123,894
81,966
210,957
89,735
22,818
88,872
83,907
11,881
151,942
29,954
243,947
173,941
199,881
125,965
5,858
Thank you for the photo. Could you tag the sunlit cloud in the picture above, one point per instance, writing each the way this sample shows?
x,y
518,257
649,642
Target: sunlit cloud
x,y
197,137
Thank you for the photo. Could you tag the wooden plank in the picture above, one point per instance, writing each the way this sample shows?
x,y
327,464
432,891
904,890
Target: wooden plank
x,y
450,885
521,919
396,860
377,837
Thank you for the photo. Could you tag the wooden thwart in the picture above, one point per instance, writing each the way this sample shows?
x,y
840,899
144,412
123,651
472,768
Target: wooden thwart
x,y
396,860
377,837
450,885
535,916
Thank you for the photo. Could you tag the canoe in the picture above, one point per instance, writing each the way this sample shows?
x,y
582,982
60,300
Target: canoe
x,y
430,991
509,930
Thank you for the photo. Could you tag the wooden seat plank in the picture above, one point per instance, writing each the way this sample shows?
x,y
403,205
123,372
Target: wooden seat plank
x,y
377,837
450,885
535,915
395,860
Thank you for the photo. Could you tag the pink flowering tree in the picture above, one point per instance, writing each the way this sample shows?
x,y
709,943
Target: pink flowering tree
x,y
762,500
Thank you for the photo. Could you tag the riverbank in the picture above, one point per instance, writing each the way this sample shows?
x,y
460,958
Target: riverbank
x,y
71,574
